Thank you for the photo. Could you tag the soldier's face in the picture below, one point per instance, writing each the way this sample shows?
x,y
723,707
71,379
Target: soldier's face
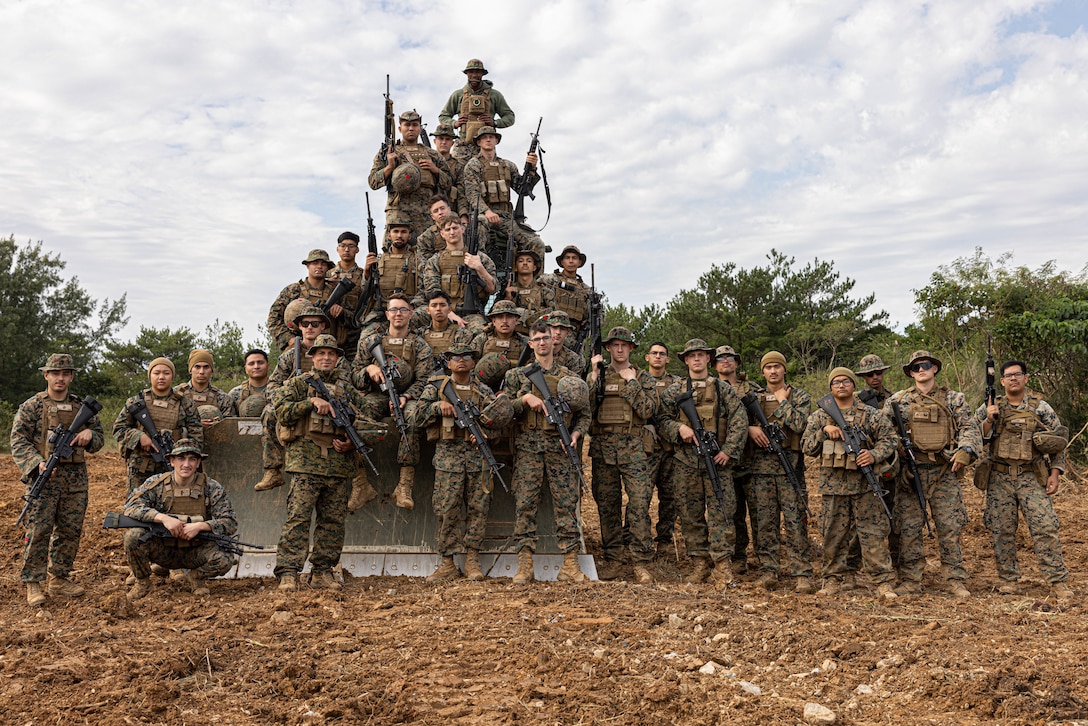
x,y
185,466
311,328
325,359
541,343
1014,380
923,375
658,357
526,265
559,333
571,261
453,233
505,323
201,373
842,389
439,211
461,363
620,350
474,78
161,378
443,144
874,379
317,269
400,236
487,142
439,309
347,251
726,366
58,381
774,373
257,367
409,131
697,361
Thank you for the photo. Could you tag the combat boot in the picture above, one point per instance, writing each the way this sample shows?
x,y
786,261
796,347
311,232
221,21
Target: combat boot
x,y
886,591
324,581
64,586
958,589
160,571
803,585
570,571
472,566
403,493
911,587
1009,588
197,583
701,571
768,580
34,594
140,589
525,567
288,582
643,576
1061,591
832,586
272,478
362,492
722,574
849,582
446,571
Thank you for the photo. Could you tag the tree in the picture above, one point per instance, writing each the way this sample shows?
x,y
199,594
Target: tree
x,y
42,313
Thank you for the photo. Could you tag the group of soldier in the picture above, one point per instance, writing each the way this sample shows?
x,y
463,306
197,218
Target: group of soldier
x,y
408,344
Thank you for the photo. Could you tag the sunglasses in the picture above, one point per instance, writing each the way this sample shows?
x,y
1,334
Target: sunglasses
x,y
924,365
461,356
311,323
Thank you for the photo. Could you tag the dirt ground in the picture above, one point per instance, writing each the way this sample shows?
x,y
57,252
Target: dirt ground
x,y
397,650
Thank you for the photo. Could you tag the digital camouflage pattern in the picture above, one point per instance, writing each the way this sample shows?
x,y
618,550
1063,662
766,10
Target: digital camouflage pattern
x,y
659,463
278,329
249,400
210,396
412,204
127,432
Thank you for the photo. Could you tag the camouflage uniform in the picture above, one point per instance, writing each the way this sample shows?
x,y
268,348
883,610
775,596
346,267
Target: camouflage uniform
x,y
350,302
742,490
1015,486
847,501
210,396
617,451
278,329
159,495
249,400
496,197
540,455
320,476
498,108
462,491
496,355
413,204
773,496
571,296
183,423
54,522
431,242
659,464
707,530
432,279
535,300
936,442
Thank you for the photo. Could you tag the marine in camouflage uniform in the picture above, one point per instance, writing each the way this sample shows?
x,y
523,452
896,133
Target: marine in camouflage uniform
x,y
430,241
541,457
774,497
498,347
443,272
397,268
660,459
571,291
251,397
726,363
708,530
201,368
414,172
526,290
54,521
872,368
444,137
1024,478
440,332
347,248
489,182
475,105
462,487
171,413
186,502
946,439
623,399
315,288
320,463
561,327
847,501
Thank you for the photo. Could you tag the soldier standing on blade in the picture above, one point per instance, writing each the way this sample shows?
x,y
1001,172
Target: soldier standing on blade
x,y
1027,449
321,462
727,365
476,105
623,399
708,531
561,327
442,272
946,439
847,501
773,496
316,289
660,458
202,393
250,397
498,346
571,291
526,290
170,412
55,520
347,248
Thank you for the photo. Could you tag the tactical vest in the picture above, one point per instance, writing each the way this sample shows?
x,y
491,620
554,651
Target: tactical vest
x,y
834,452
317,427
58,413
449,262
615,414
417,155
931,426
705,395
1015,428
401,354
166,415
770,404
397,273
496,188
536,421
351,299
572,298
661,384
184,503
445,428
316,295
474,104
251,402
202,398
440,340
532,299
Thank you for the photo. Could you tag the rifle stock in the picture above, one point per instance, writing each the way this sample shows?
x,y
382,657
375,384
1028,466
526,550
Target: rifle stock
x,y
471,305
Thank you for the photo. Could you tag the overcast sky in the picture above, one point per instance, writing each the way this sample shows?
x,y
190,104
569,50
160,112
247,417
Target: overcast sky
x,y
190,154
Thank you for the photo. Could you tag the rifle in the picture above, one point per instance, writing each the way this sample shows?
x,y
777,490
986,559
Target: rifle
x,y
230,545
991,375
163,443
61,439
371,296
298,355
522,188
852,439
343,287
706,446
423,133
471,305
343,417
591,327
390,135
912,462
465,414
390,373
775,438
554,408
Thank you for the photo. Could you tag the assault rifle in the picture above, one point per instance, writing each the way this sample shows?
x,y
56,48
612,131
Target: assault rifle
x,y
775,438
991,375
912,462
230,545
853,440
371,296
554,408
471,305
522,188
423,136
61,439
343,417
298,355
591,326
162,444
390,134
390,373
706,445
595,345
465,414
343,287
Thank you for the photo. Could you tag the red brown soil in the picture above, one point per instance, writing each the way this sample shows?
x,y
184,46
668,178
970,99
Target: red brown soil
x,y
397,650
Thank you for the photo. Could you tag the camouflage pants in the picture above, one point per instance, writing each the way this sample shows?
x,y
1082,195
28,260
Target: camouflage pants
x,y
540,456
271,448
854,558
945,499
461,503
1006,497
414,205
377,409
307,494
841,515
54,524
206,558
745,513
774,498
707,530
619,463
660,466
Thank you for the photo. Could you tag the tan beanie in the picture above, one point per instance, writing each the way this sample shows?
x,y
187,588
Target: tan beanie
x,y
772,357
160,361
840,371
200,356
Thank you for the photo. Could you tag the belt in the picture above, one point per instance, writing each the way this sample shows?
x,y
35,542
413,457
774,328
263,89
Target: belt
x,y
1013,469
